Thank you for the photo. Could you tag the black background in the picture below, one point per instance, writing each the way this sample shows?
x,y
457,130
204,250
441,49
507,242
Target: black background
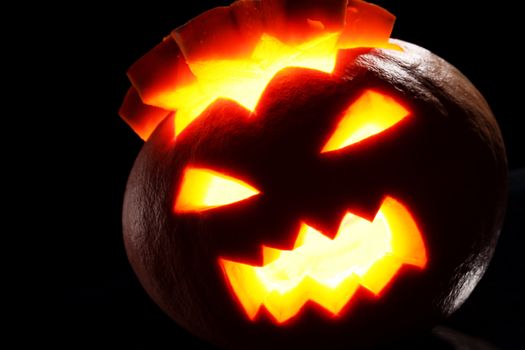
x,y
85,50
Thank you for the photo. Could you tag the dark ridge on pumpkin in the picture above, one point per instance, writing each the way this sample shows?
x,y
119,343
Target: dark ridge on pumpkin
x,y
495,305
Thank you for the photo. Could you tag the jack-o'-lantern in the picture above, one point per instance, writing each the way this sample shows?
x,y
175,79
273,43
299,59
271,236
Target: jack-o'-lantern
x,y
306,181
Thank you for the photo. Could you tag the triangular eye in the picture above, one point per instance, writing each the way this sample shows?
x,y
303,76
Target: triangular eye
x,y
203,189
370,114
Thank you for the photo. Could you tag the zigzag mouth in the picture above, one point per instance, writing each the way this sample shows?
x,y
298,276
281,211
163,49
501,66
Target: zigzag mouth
x,y
329,271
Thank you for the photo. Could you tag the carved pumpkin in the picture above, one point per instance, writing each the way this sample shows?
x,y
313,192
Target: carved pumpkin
x,y
306,181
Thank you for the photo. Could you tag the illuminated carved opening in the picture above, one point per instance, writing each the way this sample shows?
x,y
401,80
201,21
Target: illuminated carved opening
x,y
326,271
203,189
233,52
370,114
245,80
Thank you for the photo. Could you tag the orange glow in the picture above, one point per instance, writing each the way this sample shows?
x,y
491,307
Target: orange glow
x,y
244,80
234,51
326,271
370,114
203,189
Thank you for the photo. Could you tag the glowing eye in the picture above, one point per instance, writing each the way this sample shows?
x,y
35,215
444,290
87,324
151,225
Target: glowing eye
x,y
370,114
203,189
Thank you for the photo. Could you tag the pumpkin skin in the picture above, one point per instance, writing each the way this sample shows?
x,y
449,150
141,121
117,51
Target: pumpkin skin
x,y
446,164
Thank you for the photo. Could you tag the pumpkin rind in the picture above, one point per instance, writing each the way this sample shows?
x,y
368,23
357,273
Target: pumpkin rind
x,y
447,164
